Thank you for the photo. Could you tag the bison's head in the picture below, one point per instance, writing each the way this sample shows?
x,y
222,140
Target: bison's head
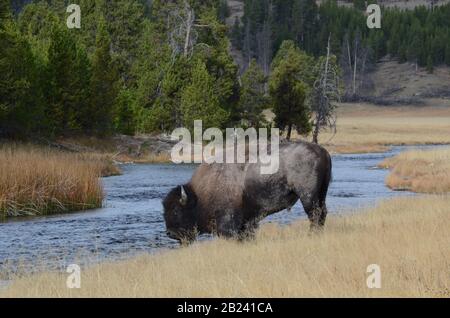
x,y
179,214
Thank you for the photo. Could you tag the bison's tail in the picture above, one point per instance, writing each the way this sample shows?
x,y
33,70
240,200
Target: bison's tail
x,y
327,178
330,170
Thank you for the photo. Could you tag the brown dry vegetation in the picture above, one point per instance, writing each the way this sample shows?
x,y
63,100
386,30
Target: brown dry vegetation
x,y
364,128
420,171
38,181
408,238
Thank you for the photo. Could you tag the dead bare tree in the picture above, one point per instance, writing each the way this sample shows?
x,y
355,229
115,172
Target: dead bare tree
x,y
264,41
247,47
182,28
355,60
182,34
325,93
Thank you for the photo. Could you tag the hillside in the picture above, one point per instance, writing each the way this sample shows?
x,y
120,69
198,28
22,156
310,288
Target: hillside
x,y
402,80
402,4
386,81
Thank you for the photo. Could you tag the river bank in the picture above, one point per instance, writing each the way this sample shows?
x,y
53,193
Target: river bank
x,y
407,237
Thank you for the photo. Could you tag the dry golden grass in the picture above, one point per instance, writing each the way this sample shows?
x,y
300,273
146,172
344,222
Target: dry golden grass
x,y
408,238
104,164
420,171
148,158
364,128
38,181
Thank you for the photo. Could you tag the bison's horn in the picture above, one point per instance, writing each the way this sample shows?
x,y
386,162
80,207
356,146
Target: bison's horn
x,y
184,197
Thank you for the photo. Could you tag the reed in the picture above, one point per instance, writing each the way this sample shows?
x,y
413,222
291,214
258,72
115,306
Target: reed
x,y
41,181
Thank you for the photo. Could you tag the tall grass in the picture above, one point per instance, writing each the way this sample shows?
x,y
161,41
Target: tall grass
x,y
426,171
408,238
40,181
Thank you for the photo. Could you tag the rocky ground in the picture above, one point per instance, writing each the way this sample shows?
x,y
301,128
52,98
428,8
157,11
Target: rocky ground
x,y
121,148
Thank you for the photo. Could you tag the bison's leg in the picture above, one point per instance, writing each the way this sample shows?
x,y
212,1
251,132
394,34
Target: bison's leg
x,y
316,209
226,225
248,230
314,201
322,204
312,209
323,213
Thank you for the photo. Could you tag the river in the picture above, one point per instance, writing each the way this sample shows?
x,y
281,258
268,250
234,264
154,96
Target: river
x,y
131,220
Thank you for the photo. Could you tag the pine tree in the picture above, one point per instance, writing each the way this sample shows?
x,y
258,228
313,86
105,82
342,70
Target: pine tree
x,y
125,20
124,115
199,101
359,4
148,68
430,64
84,73
63,81
253,100
166,113
288,88
304,20
289,49
104,79
213,48
5,13
19,105
447,52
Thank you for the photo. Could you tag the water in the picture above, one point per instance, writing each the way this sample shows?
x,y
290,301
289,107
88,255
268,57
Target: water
x,y
131,221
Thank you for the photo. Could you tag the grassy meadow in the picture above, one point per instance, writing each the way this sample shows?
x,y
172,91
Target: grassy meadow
x,y
407,237
40,181
365,128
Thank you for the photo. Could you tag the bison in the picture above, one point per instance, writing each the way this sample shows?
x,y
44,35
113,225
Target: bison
x,y
229,200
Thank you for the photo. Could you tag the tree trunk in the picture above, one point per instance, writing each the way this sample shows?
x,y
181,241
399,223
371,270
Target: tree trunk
x,y
316,134
247,45
320,110
289,133
354,68
188,30
349,55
